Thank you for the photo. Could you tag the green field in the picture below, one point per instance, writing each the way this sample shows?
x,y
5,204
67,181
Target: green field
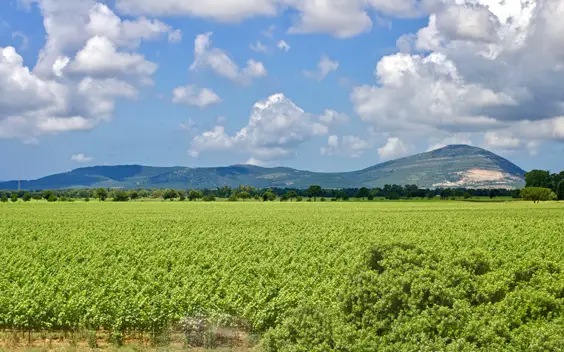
x,y
356,276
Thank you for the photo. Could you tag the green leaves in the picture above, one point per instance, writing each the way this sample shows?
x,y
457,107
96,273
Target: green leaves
x,y
308,276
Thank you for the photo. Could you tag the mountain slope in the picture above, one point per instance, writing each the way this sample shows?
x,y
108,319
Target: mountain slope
x,y
451,166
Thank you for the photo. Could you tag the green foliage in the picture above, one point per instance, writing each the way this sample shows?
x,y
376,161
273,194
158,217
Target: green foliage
x,y
363,193
209,198
290,195
367,276
195,195
341,195
314,191
407,298
4,199
537,178
516,193
243,195
133,195
101,194
269,196
26,197
157,194
120,196
170,194
233,198
537,194
393,196
14,197
47,194
560,190
52,198
92,339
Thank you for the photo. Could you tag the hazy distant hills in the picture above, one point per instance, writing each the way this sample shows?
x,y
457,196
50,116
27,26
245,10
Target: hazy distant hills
x,y
451,166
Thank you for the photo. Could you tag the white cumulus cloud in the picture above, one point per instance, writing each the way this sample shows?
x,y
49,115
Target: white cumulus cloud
x,y
81,158
205,56
191,95
259,47
88,62
394,148
282,45
350,146
324,67
276,128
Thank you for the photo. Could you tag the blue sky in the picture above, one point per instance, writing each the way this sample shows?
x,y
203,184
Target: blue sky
x,y
357,82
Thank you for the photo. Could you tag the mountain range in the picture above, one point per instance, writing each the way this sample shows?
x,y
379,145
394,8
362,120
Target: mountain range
x,y
451,166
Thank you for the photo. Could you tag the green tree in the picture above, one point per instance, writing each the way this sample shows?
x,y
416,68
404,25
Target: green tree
x,y
492,193
233,198
314,191
194,195
101,194
120,196
446,193
170,194
341,194
268,196
4,199
133,195
157,193
560,190
52,198
243,195
290,195
393,196
467,195
26,197
209,198
47,194
14,197
538,178
516,193
537,194
363,193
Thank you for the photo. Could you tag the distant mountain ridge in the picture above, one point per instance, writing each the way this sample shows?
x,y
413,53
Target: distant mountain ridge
x,y
451,166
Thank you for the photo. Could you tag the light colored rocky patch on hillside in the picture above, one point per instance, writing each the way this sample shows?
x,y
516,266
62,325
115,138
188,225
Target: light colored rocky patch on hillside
x,y
482,179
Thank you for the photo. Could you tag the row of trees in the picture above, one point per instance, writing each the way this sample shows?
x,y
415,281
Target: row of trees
x,y
391,192
541,182
540,185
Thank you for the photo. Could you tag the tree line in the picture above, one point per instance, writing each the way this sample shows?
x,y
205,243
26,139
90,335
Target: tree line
x,y
541,185
243,193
